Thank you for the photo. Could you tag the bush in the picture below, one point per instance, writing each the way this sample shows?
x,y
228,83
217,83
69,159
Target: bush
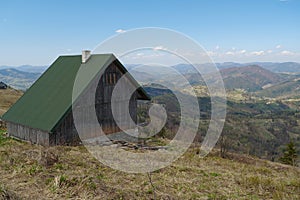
x,y
289,155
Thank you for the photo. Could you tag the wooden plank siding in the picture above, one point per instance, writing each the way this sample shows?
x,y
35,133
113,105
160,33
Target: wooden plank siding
x,y
28,134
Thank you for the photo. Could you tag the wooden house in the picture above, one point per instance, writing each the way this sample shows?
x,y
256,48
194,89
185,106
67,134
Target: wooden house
x,y
3,85
43,115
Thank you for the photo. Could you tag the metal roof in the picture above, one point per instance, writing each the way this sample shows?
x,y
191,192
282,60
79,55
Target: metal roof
x,y
47,101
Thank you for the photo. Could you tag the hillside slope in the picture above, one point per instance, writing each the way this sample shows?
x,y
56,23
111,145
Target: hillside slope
x,y
75,174
250,78
7,98
287,89
18,79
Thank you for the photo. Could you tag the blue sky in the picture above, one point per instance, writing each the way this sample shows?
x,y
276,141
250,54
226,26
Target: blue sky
x,y
36,32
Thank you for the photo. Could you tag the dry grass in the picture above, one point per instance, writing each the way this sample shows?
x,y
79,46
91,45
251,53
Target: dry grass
x,y
77,175
7,98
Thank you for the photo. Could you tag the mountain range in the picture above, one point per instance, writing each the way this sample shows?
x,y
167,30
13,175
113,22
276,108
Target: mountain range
x,y
288,67
26,68
265,79
252,79
17,79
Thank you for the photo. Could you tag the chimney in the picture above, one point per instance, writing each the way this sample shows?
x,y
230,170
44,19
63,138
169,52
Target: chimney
x,y
85,55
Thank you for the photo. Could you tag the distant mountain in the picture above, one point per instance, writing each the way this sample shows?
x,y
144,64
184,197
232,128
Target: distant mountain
x,y
250,78
156,90
27,68
143,77
32,69
18,79
189,69
287,67
287,89
226,65
284,67
236,75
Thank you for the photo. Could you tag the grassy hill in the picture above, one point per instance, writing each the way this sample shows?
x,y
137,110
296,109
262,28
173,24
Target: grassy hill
x,y
7,98
287,67
287,89
18,79
35,172
250,78
255,126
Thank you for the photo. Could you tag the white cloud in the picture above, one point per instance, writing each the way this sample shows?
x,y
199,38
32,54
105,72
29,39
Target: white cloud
x,y
287,53
120,31
278,46
242,51
217,47
257,53
229,53
211,53
157,48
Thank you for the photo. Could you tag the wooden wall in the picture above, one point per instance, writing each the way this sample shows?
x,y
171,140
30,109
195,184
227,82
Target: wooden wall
x,y
66,133
29,134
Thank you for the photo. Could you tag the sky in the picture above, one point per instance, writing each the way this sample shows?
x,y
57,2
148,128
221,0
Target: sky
x,y
37,32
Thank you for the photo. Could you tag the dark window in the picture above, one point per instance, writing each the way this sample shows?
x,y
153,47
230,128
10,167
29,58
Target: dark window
x,y
110,78
115,78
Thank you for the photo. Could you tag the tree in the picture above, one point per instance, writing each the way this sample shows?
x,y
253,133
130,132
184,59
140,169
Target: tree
x,y
224,145
224,140
289,154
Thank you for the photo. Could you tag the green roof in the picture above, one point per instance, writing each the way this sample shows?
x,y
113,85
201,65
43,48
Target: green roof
x,y
47,101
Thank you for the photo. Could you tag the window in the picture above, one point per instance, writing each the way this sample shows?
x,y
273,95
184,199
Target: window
x,y
115,78
110,78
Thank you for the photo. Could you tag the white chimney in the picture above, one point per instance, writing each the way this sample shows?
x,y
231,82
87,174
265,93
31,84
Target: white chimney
x,y
85,55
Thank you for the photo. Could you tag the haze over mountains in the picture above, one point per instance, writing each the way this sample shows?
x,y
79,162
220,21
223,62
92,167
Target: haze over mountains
x,y
287,67
270,79
21,77
259,79
26,68
17,79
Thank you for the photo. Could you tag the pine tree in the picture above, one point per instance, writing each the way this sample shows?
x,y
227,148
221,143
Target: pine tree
x,y
289,155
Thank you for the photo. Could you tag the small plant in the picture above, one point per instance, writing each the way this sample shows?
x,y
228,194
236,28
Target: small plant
x,y
34,169
59,181
289,155
91,184
59,166
3,139
100,176
48,181
213,174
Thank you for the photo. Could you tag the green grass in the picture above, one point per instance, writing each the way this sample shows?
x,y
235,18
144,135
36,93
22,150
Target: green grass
x,y
3,138
189,177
